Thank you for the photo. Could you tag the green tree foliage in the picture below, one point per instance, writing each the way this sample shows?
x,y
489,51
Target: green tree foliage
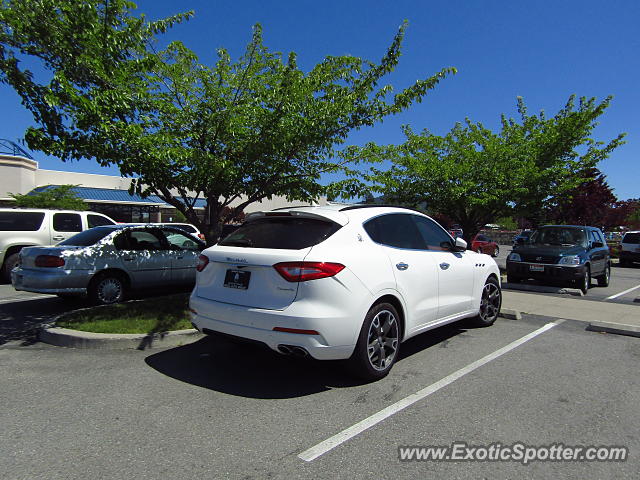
x,y
475,176
233,132
59,198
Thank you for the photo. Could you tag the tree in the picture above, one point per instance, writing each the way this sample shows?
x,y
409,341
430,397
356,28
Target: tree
x,y
60,198
233,133
474,175
590,203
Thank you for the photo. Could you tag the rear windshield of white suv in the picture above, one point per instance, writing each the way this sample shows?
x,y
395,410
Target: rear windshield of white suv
x,y
21,221
281,233
631,238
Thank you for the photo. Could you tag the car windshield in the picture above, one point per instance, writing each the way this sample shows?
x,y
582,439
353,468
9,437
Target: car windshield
x,y
631,238
87,238
560,236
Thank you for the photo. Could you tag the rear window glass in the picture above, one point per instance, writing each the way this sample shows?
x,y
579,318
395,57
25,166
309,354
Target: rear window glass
x,y
21,221
87,238
98,220
67,222
281,233
631,238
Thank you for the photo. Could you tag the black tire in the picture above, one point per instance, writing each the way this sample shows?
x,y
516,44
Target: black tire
x,y
585,282
10,263
107,288
490,304
512,279
496,252
367,362
603,280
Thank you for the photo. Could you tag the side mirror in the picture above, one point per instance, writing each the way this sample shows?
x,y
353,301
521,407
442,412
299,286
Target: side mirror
x,y
460,244
520,241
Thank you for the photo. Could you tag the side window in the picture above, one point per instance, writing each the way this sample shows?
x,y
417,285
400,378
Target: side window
x,y
67,222
178,241
145,240
481,238
432,234
97,220
395,230
595,237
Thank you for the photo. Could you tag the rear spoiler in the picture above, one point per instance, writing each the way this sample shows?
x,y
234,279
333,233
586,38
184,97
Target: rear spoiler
x,y
326,215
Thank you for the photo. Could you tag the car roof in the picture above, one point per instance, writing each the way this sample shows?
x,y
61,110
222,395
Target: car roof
x,y
338,213
570,226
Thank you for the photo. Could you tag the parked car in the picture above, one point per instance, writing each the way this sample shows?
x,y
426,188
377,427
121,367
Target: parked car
x,y
483,244
522,237
562,254
33,226
337,282
630,248
456,231
107,262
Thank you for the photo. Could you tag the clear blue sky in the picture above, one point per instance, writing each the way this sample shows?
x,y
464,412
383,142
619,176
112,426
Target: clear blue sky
x,y
543,50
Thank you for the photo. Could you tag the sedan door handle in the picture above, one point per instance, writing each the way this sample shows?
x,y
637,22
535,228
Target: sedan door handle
x,y
402,266
128,259
58,237
444,266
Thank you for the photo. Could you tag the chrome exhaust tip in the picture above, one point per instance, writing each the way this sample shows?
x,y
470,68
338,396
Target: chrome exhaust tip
x,y
299,352
285,349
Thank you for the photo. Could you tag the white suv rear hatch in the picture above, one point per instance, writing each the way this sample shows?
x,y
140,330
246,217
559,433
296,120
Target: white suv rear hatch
x,y
241,267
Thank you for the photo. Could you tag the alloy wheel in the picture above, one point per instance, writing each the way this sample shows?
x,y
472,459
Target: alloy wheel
x,y
490,302
382,340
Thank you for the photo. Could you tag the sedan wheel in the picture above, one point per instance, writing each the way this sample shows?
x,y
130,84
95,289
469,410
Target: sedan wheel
x,y
108,289
490,303
379,342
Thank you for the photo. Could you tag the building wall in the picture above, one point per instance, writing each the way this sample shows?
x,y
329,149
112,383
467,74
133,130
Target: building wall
x,y
21,175
17,175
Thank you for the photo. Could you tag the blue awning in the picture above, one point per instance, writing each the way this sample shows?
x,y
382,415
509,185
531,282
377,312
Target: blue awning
x,y
109,195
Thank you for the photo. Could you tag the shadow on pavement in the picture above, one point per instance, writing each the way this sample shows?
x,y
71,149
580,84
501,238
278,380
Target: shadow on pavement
x,y
248,370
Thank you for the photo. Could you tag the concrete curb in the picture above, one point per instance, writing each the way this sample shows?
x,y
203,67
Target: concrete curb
x,y
510,314
617,328
542,289
65,337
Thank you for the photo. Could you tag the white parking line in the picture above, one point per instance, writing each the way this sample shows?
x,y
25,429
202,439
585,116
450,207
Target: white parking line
x,y
622,293
339,438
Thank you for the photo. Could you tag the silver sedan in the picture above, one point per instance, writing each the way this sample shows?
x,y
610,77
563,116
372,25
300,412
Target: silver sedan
x,y
106,262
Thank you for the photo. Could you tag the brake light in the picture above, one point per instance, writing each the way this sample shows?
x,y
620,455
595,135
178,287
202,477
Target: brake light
x,y
201,236
49,261
203,261
303,271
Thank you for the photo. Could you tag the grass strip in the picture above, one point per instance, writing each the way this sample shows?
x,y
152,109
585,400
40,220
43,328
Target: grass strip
x,y
151,315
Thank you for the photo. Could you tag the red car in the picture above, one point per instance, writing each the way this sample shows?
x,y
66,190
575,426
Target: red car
x,y
483,244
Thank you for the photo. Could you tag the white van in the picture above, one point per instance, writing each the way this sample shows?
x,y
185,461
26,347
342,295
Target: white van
x,y
27,227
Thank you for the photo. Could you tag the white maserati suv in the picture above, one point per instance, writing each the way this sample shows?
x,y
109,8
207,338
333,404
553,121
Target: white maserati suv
x,y
341,282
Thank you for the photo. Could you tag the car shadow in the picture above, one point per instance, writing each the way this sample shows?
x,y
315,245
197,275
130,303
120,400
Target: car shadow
x,y
254,371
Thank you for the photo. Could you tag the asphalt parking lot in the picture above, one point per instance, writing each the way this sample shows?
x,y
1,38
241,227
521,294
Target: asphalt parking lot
x,y
214,409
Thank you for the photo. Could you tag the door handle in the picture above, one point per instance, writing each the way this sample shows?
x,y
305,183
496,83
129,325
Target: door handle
x,y
128,259
444,266
58,237
402,266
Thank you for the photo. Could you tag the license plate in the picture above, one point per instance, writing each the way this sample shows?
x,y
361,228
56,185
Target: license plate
x,y
536,268
237,279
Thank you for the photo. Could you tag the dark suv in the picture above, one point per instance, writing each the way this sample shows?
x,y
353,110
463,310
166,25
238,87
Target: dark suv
x,y
562,254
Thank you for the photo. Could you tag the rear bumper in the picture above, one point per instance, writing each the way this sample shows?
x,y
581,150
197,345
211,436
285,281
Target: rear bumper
x,y
338,327
51,281
551,273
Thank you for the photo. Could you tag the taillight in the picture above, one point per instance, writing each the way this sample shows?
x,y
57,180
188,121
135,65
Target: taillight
x,y
203,261
201,236
50,261
303,271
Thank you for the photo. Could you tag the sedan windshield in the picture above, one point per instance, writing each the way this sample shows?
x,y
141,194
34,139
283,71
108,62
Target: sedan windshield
x,y
559,236
87,238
